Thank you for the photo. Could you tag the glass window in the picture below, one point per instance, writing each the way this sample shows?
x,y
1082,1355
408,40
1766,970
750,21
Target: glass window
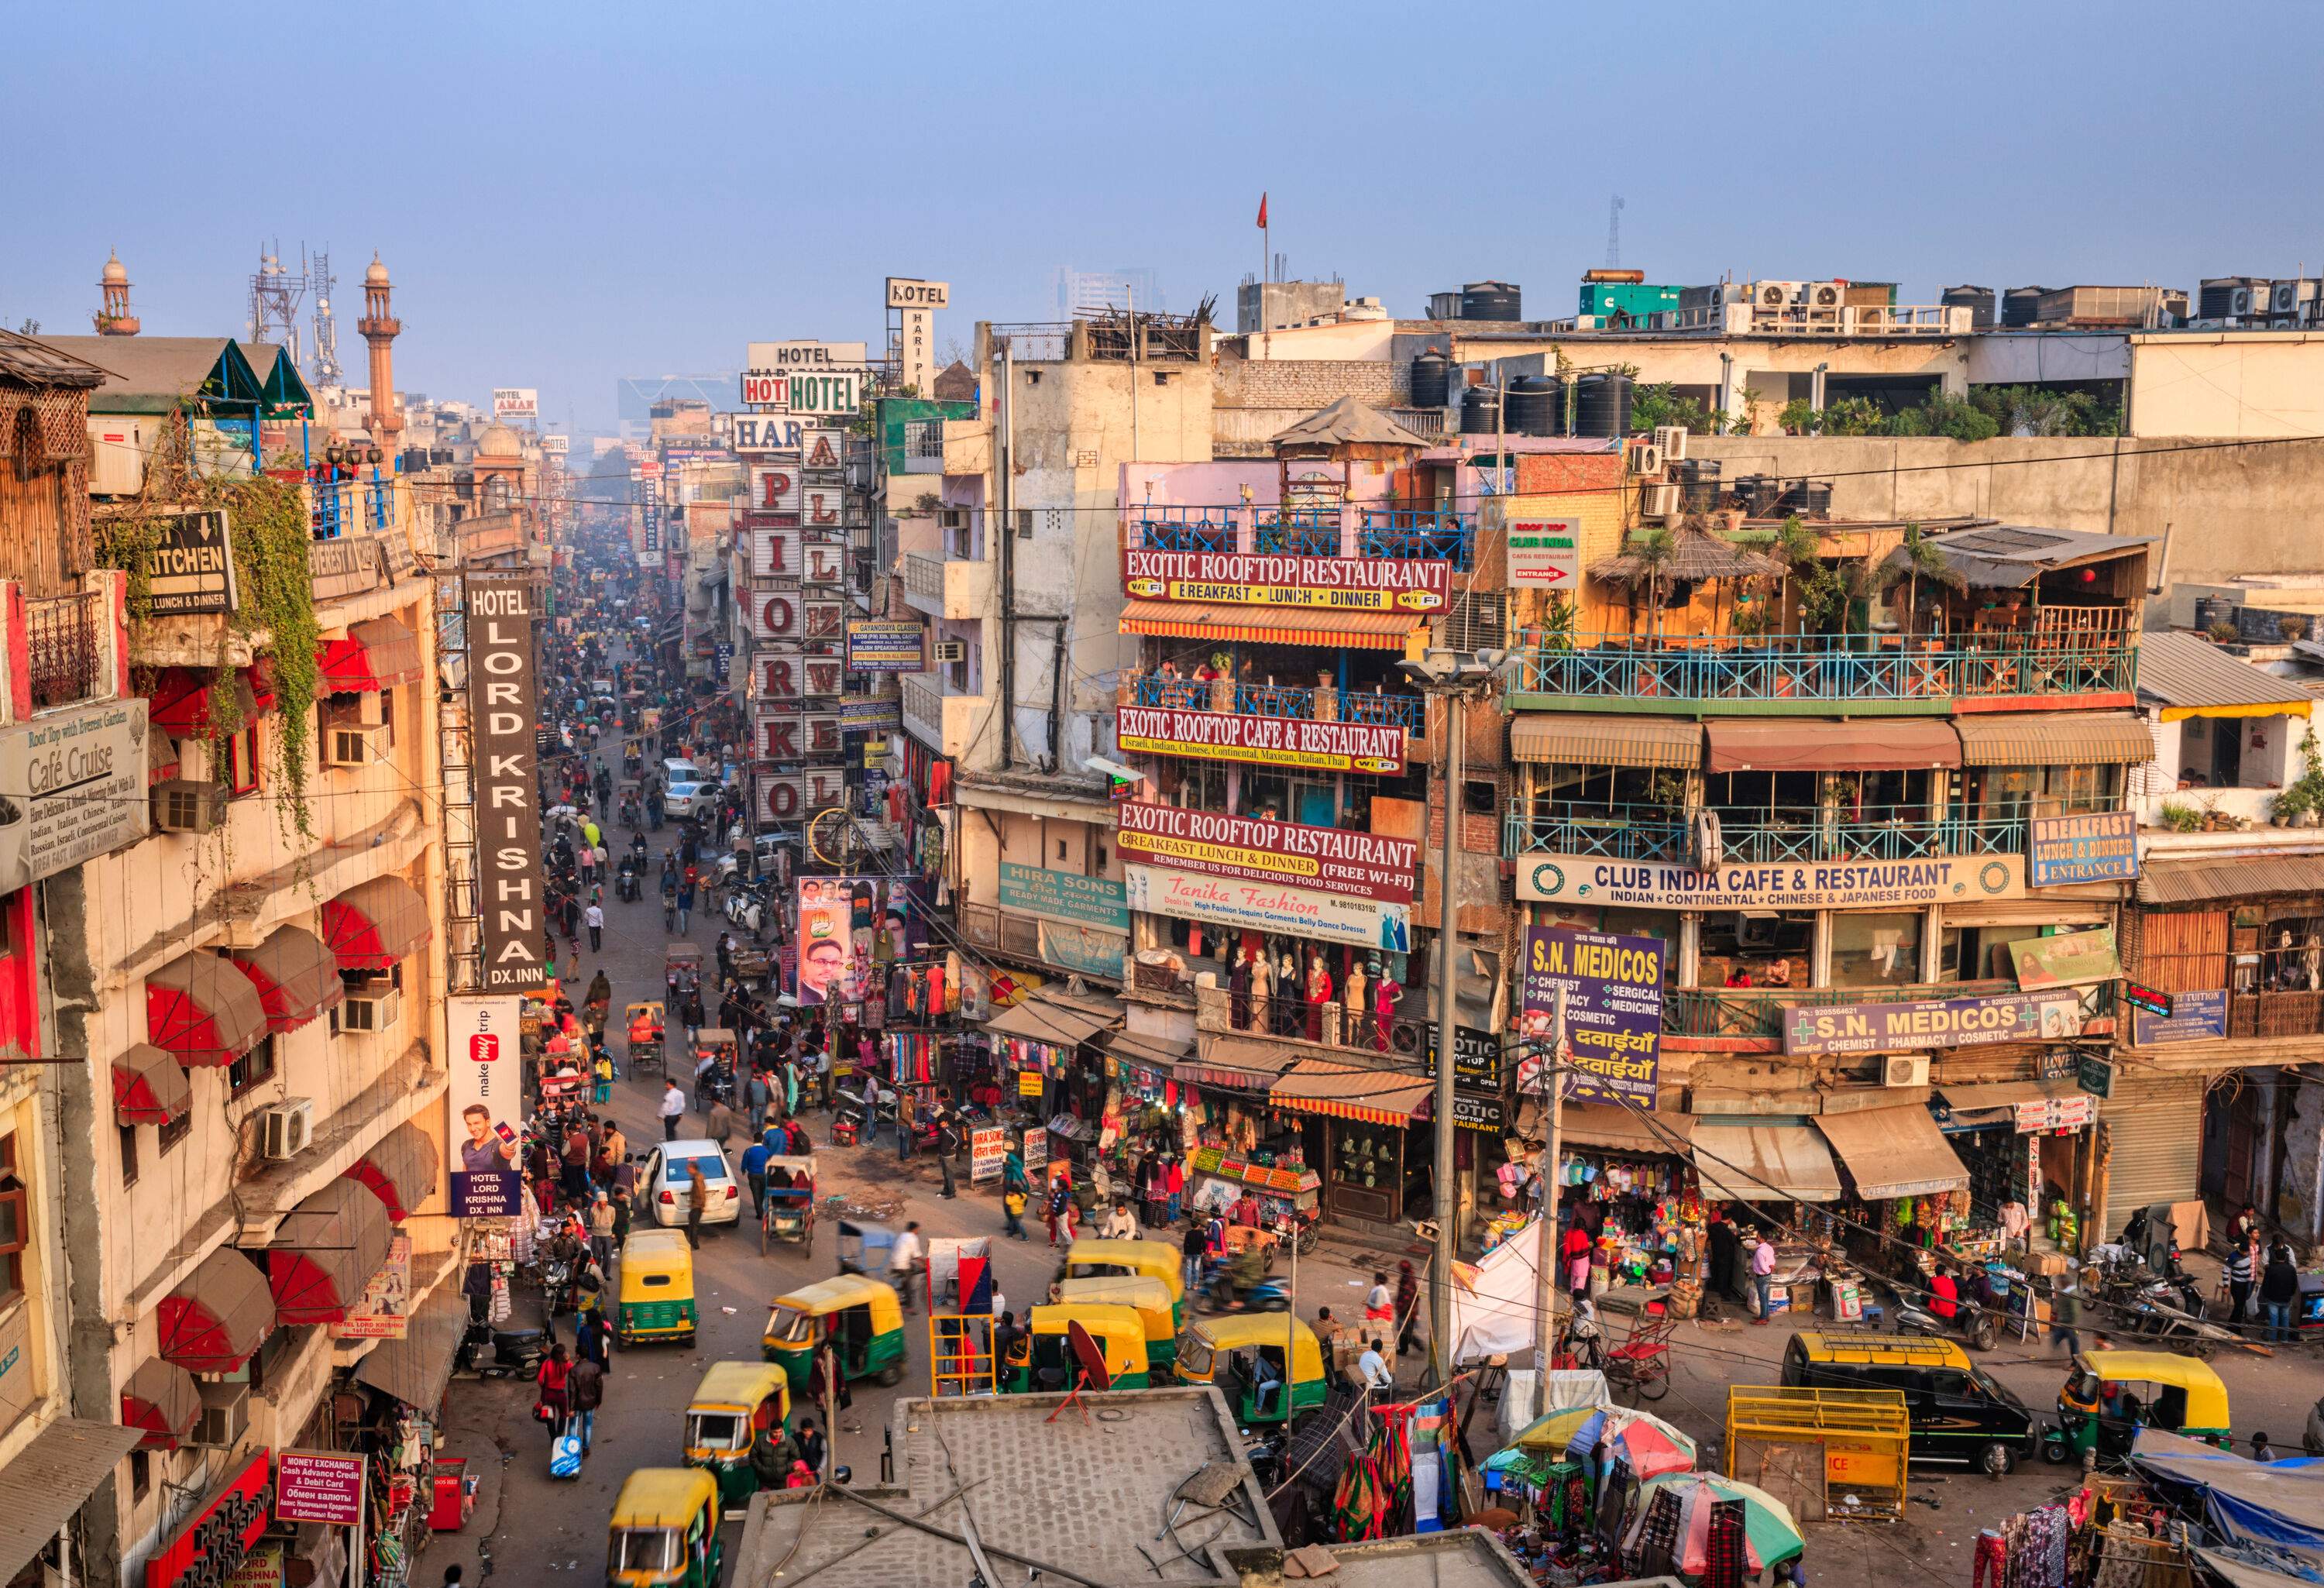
x,y
1649,923
717,1430
15,1229
252,1067
127,1136
1872,950
1755,948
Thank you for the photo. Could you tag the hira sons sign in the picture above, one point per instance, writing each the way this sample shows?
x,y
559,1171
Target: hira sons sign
x,y
1272,741
1344,584
1841,885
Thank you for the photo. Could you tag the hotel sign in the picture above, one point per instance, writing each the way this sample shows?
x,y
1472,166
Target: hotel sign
x,y
1930,1023
503,706
1337,584
1584,879
1274,740
1331,860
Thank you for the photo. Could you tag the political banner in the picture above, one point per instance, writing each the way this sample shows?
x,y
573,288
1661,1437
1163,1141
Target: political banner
x,y
486,1099
1330,860
1270,741
1613,988
839,920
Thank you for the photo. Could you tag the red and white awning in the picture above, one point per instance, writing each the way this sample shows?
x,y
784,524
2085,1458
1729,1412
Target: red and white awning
x,y
375,924
200,1007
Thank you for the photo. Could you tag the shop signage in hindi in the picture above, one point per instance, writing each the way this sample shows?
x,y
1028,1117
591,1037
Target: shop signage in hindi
x,y
1270,907
1240,578
1930,1023
2194,1017
1271,741
1330,860
324,1486
486,1099
1582,879
384,1310
886,645
503,708
1063,896
1613,988
191,570
2070,959
988,1148
1029,1084
80,776
2102,847
1545,554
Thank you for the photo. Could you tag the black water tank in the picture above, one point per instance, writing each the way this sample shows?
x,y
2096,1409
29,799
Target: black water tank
x,y
1602,407
2213,609
1432,380
1536,406
1492,300
1819,498
1757,494
1698,483
1477,412
2017,305
1978,301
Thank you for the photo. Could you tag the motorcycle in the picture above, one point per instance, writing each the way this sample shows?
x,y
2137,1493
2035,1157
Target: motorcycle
x,y
1909,1315
515,1354
1219,1294
625,886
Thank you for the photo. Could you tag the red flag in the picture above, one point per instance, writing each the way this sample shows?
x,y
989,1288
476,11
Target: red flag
x,y
1262,212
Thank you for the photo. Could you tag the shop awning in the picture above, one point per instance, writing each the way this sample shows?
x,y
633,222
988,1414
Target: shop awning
x,y
179,705
399,1170
200,1007
1579,740
1246,1063
1266,625
375,924
2054,738
1380,1097
297,978
161,1402
324,1251
1036,1019
1155,1053
2185,675
1989,1097
2201,882
217,1315
149,1087
1609,1125
377,654
1763,1163
1868,744
415,1369
1894,1152
50,1480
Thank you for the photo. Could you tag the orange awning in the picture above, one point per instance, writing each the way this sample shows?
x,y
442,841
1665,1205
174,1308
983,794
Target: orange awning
x,y
1269,625
1380,1097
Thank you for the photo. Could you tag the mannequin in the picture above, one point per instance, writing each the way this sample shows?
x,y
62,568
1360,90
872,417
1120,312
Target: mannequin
x,y
1386,995
1286,996
1239,992
1319,994
1262,988
1351,994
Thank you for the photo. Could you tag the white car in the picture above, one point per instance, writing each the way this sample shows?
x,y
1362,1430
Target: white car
x,y
664,1183
683,797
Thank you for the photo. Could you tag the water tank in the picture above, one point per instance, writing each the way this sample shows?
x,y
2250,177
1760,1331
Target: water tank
x,y
1697,479
1602,406
2017,305
1978,301
2213,609
1819,498
1537,406
1492,300
1477,412
1757,494
1432,380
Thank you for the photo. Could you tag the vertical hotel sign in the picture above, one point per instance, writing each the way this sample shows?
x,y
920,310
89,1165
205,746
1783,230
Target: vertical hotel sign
x,y
502,713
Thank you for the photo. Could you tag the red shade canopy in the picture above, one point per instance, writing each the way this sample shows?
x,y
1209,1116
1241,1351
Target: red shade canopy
x,y
204,1010
181,701
296,977
161,1397
400,1169
378,654
149,1087
217,1315
324,1251
375,924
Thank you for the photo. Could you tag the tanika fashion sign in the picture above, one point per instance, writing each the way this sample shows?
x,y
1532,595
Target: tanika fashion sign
x,y
1340,584
1275,741
1360,865
512,924
1568,879
1268,907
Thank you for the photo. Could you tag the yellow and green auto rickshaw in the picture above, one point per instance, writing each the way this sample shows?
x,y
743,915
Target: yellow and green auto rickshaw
x,y
1125,1259
1150,1298
1119,1334
1267,1365
665,1530
656,1301
734,1402
856,1312
2109,1396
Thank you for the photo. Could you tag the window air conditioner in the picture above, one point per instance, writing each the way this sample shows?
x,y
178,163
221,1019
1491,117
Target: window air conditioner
x,y
949,650
189,805
1904,1069
351,747
952,518
287,1127
225,1414
372,1007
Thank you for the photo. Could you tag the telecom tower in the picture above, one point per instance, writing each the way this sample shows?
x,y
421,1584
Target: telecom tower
x,y
274,295
327,325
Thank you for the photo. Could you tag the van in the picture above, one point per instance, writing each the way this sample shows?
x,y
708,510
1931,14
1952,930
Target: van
x,y
1960,1415
681,770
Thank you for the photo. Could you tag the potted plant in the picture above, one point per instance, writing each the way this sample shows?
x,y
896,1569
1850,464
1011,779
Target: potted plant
x,y
2301,805
2181,817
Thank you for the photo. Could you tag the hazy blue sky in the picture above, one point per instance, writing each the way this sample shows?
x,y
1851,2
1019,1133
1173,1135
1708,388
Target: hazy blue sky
x,y
567,193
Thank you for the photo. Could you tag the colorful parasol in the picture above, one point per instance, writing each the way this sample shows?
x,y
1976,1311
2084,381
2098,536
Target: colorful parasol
x,y
1651,1447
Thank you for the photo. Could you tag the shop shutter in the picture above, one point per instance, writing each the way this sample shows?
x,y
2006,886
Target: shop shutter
x,y
2178,950
2155,1130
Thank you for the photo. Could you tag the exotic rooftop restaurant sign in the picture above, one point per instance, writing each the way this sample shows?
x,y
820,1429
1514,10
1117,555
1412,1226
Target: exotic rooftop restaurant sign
x,y
1344,584
1785,885
1275,741
1330,860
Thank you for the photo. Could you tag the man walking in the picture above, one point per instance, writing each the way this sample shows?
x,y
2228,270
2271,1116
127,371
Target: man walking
x,y
585,1387
673,1109
1763,1276
904,1125
685,905
593,917
947,1142
1407,1309
2279,1288
760,1096
600,1232
754,1173
721,1128
903,1258
697,1201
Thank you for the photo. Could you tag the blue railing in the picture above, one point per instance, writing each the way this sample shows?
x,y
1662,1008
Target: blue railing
x,y
1750,838
1607,832
378,504
1835,668
1416,535
1300,532
1187,529
1284,700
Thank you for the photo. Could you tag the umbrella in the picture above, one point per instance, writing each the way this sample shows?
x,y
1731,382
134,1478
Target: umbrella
x,y
1768,1530
1649,1445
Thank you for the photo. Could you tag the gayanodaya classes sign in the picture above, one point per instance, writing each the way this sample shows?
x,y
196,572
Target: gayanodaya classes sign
x,y
1276,740
1330,860
1344,584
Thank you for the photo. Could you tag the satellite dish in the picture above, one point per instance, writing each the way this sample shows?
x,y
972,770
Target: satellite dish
x,y
1090,1354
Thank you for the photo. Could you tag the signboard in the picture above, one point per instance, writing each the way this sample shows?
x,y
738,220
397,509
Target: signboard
x,y
1613,1008
767,432
485,1097
1084,950
192,566
839,918
557,446
502,709
2095,1074
908,292
823,447
385,1307
1480,1110
1582,879
1029,1084
324,1486
1544,553
775,488
2070,959
516,402
1930,1023
2100,848
1476,1055
774,547
2195,1017
871,716
2146,1000
988,1150
886,645
1342,583
17,1393
782,798
215,1538
2057,1113
1065,896
1332,859
349,566
80,776
1272,741
806,390
915,353
1270,907
779,614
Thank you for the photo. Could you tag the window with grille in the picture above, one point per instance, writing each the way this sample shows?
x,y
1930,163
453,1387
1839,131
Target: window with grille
x,y
15,1229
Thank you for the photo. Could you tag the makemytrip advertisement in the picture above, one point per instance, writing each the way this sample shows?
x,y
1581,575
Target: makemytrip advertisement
x,y
1342,583
1272,741
486,1097
1613,1008
1331,860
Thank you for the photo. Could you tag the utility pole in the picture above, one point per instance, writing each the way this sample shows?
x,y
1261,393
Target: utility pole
x,y
1545,1259
1008,556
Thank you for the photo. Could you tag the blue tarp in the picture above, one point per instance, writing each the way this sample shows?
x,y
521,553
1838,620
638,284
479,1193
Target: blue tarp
x,y
2245,1502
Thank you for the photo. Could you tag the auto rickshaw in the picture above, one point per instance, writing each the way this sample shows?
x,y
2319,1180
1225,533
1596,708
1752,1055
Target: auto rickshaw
x,y
1119,1334
645,1021
664,1533
863,1247
734,1402
2109,1396
858,1313
1103,1260
1148,1297
656,1289
787,1209
1244,1355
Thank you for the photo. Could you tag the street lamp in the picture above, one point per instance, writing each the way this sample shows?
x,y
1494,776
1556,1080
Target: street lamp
x,y
1455,678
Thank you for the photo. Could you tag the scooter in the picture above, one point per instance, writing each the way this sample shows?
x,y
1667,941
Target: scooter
x,y
1909,1316
516,1353
1218,1294
625,885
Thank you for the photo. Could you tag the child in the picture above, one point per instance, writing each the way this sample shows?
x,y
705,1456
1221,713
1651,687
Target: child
x,y
1012,1211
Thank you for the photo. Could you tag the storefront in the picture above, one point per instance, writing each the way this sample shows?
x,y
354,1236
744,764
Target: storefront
x,y
1905,1183
1235,1137
1046,1052
2155,1144
1629,1184
2026,1146
1359,1127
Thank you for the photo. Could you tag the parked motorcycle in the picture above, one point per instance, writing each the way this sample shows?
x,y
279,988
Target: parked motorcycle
x,y
1909,1315
514,1353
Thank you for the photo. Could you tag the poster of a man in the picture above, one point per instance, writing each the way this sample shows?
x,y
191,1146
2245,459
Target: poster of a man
x,y
852,930
487,1182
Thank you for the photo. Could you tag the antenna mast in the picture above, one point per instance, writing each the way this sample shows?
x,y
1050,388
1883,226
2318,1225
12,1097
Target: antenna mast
x,y
1614,233
327,325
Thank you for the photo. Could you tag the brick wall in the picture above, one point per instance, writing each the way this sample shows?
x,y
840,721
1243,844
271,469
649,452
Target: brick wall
x,y
1309,383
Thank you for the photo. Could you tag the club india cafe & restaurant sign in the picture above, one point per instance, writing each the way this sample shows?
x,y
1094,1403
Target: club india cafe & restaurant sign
x,y
1785,885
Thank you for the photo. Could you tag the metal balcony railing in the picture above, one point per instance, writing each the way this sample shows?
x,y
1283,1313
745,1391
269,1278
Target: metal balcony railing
x,y
1824,667
1417,535
1656,832
1187,529
1284,700
1300,532
64,652
1609,832
924,577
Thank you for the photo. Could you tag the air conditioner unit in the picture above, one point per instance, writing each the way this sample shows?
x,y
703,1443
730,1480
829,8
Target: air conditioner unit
x,y
189,805
285,1129
2283,298
351,747
944,650
1827,295
225,1413
1658,503
373,1006
1904,1069
1643,458
952,518
1778,294
1672,439
2240,303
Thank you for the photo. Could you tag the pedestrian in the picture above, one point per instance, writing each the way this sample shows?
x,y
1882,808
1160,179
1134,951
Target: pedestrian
x,y
1121,1224
586,1387
772,1455
1576,1251
1012,1212
1060,1209
1380,1301
2279,1288
811,1445
721,1123
572,962
1191,1246
593,917
697,1201
1407,1309
553,1407
754,1175
592,1337
588,858
904,1258
673,1109
2261,1450
2066,1315
452,1576
605,1075
2242,1263
870,1107
1373,1367
905,1125
760,1096
1763,1276
601,1232
685,905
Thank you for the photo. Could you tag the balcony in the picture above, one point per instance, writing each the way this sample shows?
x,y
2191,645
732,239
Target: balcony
x,y
349,507
66,654
1756,1013
1392,533
1407,535
1869,674
1313,533
945,723
1378,706
1659,833
948,586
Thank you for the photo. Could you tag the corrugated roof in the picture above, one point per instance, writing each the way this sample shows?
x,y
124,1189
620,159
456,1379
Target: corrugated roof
x,y
1347,422
2184,669
2009,556
36,363
2200,882
51,1480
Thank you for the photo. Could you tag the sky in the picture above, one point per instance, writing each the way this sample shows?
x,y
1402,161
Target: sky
x,y
566,194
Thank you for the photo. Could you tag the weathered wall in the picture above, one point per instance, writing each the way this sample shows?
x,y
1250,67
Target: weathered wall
x,y
2238,385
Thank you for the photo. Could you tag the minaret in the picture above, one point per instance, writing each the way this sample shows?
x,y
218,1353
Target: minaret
x,y
115,319
379,326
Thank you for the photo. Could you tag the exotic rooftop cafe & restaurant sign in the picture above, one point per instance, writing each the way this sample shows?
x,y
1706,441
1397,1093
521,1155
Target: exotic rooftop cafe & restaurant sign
x,y
1272,741
1775,885
1338,584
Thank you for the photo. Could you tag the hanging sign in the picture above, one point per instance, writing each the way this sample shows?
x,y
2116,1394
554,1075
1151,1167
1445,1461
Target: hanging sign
x,y
1613,988
503,710
1544,553
324,1486
1330,860
1272,741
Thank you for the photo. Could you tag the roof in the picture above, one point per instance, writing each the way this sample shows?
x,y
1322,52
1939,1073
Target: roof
x,y
2054,738
2010,556
1346,422
1894,1152
1053,1022
2188,676
1456,1557
152,374
1695,554
1610,1124
1382,1097
51,1478
1250,1062
836,1291
1139,1048
2231,876
1755,1163
36,363
662,1496
1579,739
737,1383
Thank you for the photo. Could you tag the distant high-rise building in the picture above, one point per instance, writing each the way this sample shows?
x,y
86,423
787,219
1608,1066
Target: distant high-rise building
x,y
634,397
1082,291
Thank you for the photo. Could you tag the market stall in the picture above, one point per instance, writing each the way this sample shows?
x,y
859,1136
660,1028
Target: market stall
x,y
1624,1181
